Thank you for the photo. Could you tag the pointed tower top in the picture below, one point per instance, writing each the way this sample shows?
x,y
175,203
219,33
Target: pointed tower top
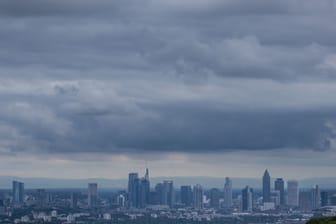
x,y
147,174
266,173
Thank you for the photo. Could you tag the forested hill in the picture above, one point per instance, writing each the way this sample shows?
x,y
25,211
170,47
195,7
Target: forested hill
x,y
324,220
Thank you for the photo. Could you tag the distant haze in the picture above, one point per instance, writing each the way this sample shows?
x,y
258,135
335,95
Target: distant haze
x,y
207,182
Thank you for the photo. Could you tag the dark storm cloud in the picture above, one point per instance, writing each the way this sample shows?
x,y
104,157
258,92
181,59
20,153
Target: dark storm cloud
x,y
125,76
36,8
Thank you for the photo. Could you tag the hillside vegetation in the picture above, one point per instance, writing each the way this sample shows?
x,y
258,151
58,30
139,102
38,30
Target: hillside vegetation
x,y
324,220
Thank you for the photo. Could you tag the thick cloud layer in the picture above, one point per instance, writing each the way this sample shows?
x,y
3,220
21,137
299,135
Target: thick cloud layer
x,y
190,76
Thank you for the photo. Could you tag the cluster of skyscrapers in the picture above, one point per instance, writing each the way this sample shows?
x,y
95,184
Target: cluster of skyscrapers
x,y
140,194
138,190
18,192
304,199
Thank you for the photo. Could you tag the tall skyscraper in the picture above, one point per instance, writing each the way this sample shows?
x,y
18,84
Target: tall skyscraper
x,y
43,198
293,193
92,194
228,193
159,194
73,200
279,185
168,193
144,191
214,198
316,197
147,174
121,200
17,192
305,200
138,190
332,200
132,189
198,197
324,198
247,199
275,197
266,183
186,196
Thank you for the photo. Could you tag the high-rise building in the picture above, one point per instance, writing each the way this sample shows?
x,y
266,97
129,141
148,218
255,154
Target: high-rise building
x,y
198,196
266,183
92,194
168,193
247,199
279,185
43,198
293,193
316,197
228,193
158,194
333,200
186,196
138,190
17,192
305,200
147,174
275,198
132,189
73,200
121,201
144,190
324,198
214,198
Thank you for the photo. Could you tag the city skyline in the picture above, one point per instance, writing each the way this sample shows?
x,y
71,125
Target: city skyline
x,y
141,199
167,111
135,182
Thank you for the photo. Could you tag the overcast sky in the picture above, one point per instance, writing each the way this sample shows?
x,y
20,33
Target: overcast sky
x,y
189,87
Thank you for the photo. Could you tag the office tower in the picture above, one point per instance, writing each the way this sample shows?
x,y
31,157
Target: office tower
x,y
266,183
121,201
316,197
186,196
73,200
293,193
42,198
144,191
147,174
324,198
275,198
132,189
333,200
17,192
279,185
198,197
228,193
305,201
214,198
159,194
92,194
153,197
247,199
138,190
168,193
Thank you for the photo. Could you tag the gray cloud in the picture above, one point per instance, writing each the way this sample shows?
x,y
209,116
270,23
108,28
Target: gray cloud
x,y
189,76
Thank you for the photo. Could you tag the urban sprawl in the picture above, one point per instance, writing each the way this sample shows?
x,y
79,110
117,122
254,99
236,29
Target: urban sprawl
x,y
281,202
